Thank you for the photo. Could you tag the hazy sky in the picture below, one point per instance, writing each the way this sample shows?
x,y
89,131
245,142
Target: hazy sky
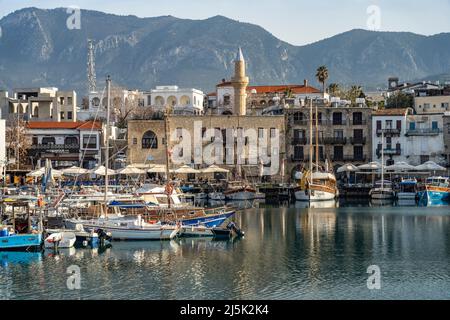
x,y
294,21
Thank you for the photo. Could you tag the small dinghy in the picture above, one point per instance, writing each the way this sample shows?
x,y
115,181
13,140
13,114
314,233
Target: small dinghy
x,y
60,240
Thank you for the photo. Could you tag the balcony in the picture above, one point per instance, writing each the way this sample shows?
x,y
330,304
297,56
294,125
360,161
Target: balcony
x,y
56,148
423,132
389,152
296,158
339,122
357,122
350,158
334,141
300,122
389,132
358,140
299,141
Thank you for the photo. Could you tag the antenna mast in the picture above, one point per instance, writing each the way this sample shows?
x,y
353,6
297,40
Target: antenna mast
x,y
91,67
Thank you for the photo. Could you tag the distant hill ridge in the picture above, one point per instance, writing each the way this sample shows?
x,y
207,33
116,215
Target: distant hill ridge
x,y
37,49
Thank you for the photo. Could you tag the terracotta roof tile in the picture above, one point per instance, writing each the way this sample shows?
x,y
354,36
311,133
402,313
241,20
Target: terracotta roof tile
x,y
80,125
295,88
391,112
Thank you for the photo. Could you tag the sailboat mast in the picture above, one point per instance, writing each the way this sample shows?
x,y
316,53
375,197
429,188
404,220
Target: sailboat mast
x,y
317,140
382,159
166,145
311,149
108,107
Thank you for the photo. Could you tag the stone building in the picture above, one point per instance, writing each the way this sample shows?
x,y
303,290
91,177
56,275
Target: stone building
x,y
343,135
146,140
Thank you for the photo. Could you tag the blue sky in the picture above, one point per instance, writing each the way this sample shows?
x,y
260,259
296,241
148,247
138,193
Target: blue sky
x,y
295,21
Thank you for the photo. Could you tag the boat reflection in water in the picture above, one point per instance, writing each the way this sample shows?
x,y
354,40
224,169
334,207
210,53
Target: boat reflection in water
x,y
381,202
12,257
406,203
317,204
424,202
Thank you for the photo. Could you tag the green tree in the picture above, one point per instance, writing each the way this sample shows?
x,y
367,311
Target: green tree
x,y
400,100
334,89
322,77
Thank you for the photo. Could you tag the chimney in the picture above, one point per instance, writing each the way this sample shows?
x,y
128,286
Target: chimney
x,y
305,83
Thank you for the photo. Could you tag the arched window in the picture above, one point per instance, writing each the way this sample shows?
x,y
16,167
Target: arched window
x,y
71,140
149,140
95,102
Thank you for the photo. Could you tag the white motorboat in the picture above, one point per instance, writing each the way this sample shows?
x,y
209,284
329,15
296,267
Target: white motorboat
x,y
60,240
128,228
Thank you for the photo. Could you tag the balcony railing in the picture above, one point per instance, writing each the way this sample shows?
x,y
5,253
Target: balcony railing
x,y
339,122
389,152
388,131
296,158
424,132
359,122
349,158
57,147
300,122
358,140
335,140
297,141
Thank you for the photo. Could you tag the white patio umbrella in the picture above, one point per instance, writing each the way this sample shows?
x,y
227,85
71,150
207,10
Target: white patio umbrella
x,y
400,166
158,168
74,171
347,168
101,171
36,173
430,166
213,169
370,166
130,170
186,169
40,172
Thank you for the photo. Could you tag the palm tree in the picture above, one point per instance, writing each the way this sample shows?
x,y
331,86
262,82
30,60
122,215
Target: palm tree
x,y
334,89
322,76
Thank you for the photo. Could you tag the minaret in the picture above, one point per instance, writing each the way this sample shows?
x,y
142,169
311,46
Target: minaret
x,y
239,83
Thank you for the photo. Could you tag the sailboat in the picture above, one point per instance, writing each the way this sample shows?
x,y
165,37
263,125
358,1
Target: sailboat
x,y
316,184
382,189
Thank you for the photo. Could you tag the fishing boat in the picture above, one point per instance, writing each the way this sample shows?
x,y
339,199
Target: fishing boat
x,y
382,190
238,190
316,184
216,196
434,189
407,189
62,240
17,232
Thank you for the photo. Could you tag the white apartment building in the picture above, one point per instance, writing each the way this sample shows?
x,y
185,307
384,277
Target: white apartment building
x,y
187,101
411,138
40,104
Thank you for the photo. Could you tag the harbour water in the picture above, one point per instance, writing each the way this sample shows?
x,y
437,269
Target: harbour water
x,y
288,252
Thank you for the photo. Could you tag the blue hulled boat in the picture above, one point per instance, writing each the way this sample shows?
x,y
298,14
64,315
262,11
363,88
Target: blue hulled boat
x,y
435,189
21,242
210,220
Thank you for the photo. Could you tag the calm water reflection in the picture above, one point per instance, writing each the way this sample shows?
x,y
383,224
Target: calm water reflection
x,y
287,253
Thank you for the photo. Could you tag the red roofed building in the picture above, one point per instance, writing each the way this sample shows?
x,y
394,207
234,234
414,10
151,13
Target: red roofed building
x,y
66,144
261,97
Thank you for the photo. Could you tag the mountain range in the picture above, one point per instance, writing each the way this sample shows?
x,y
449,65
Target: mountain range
x,y
37,49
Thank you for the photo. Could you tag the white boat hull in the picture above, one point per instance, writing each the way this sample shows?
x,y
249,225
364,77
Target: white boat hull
x,y
377,195
241,195
216,196
137,233
195,231
315,196
60,240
